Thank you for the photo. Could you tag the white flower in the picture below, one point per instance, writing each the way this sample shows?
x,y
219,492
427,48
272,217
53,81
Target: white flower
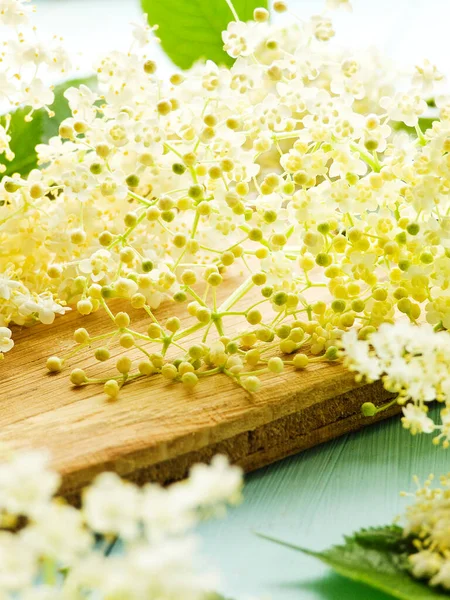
x,y
33,52
14,12
44,307
97,265
9,88
240,39
18,563
425,564
54,150
442,577
337,4
125,288
427,524
416,420
81,102
376,133
426,76
359,357
277,267
111,506
7,287
27,483
57,532
142,32
414,363
404,107
345,161
59,59
208,490
167,511
171,570
37,94
5,140
56,551
216,484
6,343
322,28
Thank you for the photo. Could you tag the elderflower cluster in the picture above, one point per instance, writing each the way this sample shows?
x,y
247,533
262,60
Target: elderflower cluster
x,y
277,194
427,523
414,363
26,62
49,549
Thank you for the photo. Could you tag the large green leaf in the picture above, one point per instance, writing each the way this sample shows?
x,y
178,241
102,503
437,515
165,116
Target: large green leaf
x,y
192,29
26,135
376,557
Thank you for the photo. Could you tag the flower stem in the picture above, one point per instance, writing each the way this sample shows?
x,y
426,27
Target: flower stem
x,y
245,287
233,10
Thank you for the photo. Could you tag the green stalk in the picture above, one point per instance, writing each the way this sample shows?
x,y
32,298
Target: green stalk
x,y
239,293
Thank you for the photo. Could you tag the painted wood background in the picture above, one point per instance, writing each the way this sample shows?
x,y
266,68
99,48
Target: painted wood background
x,y
314,499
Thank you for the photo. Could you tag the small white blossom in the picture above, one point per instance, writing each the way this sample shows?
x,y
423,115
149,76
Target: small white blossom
x,y
337,4
112,507
426,75
416,420
427,523
37,94
6,343
14,12
404,107
359,356
97,265
425,564
81,102
142,32
18,563
44,307
27,483
58,532
240,39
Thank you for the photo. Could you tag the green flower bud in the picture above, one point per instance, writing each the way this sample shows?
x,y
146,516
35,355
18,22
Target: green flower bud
x,y
132,181
413,228
280,298
369,409
178,168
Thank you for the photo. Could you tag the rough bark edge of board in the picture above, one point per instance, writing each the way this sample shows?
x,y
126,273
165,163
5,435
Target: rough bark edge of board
x,y
274,441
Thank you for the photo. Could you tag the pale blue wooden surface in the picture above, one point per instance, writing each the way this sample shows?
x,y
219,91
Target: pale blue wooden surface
x,y
313,499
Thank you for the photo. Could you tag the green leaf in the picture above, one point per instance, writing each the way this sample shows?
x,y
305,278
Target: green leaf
x,y
26,135
376,557
192,29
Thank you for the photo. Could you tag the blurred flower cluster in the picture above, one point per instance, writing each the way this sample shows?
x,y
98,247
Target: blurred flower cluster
x,y
239,193
413,363
51,550
427,521
26,62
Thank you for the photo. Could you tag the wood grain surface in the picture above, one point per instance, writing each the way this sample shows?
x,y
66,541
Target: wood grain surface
x,y
157,429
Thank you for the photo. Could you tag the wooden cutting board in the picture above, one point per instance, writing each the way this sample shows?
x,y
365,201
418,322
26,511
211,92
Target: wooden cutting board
x,y
157,429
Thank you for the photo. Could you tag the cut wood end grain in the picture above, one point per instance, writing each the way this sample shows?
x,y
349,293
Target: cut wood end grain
x,y
156,430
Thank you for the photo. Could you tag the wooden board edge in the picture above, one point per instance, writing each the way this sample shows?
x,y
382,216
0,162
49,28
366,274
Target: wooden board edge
x,y
260,446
